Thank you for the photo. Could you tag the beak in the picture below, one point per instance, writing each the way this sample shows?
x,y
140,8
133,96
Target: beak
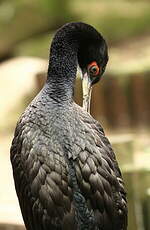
x,y
86,89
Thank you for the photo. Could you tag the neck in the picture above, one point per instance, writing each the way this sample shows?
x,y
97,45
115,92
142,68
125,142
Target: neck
x,y
66,50
62,65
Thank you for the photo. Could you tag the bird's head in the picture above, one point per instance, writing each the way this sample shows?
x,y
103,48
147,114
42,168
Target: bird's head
x,y
92,59
73,43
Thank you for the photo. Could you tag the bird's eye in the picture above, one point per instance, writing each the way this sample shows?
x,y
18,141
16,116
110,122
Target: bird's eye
x,y
93,69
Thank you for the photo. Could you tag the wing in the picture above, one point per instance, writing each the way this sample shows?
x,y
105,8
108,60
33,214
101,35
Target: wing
x,y
41,173
41,181
99,176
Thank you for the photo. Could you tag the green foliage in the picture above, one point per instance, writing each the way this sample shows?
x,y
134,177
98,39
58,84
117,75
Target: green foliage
x,y
117,20
31,47
21,20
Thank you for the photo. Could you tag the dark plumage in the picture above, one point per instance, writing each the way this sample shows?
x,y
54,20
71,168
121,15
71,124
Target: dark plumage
x,y
65,171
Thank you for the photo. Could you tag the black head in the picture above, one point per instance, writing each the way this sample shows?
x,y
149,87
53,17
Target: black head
x,y
92,59
92,53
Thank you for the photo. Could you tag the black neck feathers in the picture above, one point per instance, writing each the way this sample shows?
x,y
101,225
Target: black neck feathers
x,y
68,49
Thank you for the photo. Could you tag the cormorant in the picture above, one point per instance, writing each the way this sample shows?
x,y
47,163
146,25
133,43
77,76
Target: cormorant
x,y
65,171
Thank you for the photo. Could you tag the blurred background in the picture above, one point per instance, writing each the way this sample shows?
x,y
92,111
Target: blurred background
x,y
121,101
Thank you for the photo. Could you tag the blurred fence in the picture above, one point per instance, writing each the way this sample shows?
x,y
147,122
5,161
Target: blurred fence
x,y
118,101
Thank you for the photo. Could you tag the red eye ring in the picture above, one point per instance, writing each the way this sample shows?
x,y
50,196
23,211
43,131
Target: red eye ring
x,y
93,68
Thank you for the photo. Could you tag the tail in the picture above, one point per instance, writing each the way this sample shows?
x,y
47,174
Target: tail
x,y
84,218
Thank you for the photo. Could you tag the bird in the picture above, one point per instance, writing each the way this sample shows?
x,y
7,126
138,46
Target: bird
x,y
65,171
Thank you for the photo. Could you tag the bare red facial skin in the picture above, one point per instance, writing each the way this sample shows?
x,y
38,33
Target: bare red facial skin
x,y
93,68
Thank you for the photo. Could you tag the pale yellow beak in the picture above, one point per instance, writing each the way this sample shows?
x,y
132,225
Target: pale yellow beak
x,y
86,89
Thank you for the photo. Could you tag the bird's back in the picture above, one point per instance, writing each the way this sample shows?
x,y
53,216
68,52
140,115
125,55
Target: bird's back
x,y
48,141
